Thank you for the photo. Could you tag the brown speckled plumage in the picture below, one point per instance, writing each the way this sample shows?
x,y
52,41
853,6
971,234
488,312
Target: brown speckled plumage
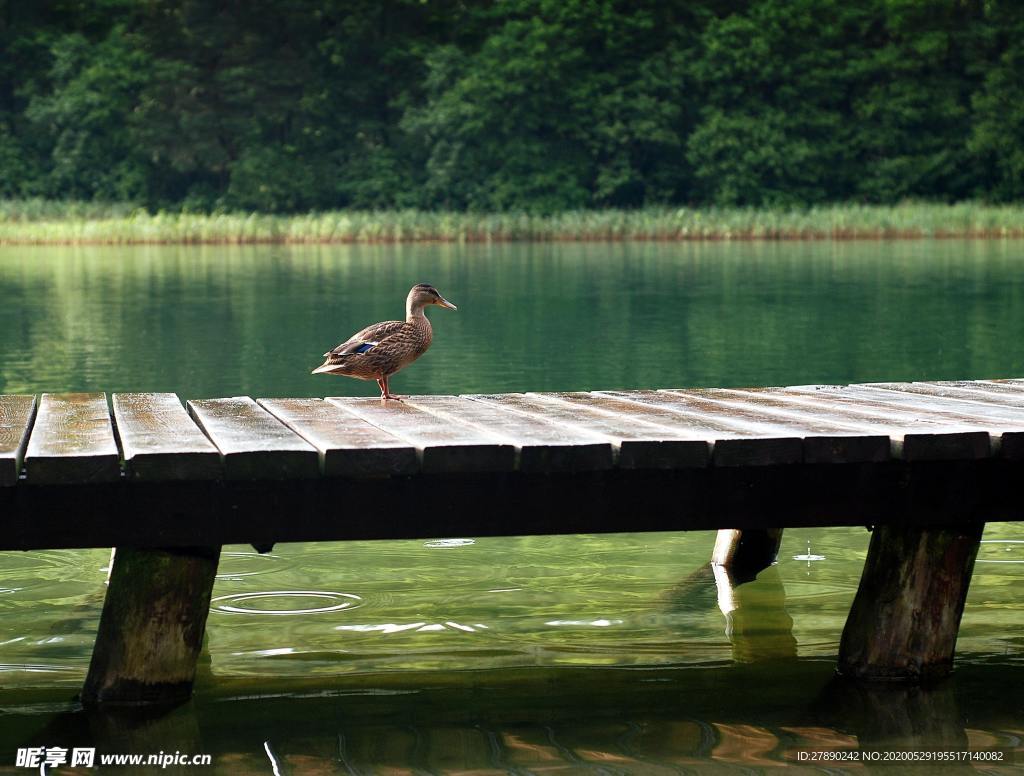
x,y
380,350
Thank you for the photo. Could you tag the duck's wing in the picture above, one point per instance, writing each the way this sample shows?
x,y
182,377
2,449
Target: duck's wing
x,y
363,340
360,342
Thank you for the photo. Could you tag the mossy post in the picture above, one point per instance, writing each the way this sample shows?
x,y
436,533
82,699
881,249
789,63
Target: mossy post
x,y
905,618
152,625
747,552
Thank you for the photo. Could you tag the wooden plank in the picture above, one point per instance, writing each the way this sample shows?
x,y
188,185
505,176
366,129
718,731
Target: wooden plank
x,y
253,443
442,446
640,443
541,445
1004,424
16,414
160,441
906,396
1003,417
1009,392
973,393
1010,386
735,440
348,445
926,436
979,391
826,438
72,441
940,442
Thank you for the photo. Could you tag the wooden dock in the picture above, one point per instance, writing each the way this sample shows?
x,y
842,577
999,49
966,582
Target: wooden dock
x,y
925,464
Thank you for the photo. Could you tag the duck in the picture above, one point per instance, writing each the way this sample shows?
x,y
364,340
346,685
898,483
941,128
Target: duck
x,y
382,349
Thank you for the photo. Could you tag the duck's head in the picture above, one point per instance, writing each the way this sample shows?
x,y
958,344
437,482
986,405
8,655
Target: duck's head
x,y
424,294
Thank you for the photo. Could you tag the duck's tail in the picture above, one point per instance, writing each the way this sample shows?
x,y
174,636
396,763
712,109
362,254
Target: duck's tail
x,y
327,367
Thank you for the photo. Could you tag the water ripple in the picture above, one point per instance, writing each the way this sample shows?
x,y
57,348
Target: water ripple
x,y
251,563
990,547
437,544
232,604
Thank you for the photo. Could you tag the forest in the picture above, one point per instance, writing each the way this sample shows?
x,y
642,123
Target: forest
x,y
541,106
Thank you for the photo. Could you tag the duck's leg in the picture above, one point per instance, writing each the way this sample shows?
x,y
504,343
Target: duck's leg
x,y
383,388
387,394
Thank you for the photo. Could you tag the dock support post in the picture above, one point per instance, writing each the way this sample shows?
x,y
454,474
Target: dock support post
x,y
152,625
905,618
747,552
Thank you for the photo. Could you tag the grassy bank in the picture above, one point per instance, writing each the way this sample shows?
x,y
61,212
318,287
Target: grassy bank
x,y
42,222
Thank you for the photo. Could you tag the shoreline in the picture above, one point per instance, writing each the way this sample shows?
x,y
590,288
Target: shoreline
x,y
42,222
823,237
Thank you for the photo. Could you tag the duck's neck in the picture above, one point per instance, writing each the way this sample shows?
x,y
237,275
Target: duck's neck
x,y
414,314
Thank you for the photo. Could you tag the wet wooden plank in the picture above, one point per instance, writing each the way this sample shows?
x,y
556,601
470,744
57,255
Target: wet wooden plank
x,y
935,440
907,396
982,391
160,442
640,444
253,444
917,435
442,446
964,397
542,445
16,414
1009,386
999,413
826,438
735,440
72,441
1010,392
348,445
994,417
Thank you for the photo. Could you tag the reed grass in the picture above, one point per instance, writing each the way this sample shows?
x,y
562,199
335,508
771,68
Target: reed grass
x,y
48,222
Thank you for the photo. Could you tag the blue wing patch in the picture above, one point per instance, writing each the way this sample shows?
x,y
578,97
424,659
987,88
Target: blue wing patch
x,y
364,347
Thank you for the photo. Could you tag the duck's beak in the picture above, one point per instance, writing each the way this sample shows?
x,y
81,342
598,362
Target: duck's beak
x,y
442,302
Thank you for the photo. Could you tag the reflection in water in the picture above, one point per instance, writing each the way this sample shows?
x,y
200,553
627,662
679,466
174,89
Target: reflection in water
x,y
895,718
577,720
230,320
756,621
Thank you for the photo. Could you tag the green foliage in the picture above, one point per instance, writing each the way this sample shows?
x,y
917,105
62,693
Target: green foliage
x,y
997,135
514,105
94,86
563,105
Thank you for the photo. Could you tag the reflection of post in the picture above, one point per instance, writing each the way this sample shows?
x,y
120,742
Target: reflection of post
x,y
895,717
152,625
904,621
745,553
756,620
146,730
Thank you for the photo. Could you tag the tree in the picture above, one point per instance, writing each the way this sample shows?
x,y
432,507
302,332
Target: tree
x,y
563,105
997,136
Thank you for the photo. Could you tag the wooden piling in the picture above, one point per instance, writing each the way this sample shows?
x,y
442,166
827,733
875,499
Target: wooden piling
x,y
904,621
747,552
151,628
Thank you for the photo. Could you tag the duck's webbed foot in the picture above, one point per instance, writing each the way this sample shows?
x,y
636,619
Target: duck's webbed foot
x,y
385,394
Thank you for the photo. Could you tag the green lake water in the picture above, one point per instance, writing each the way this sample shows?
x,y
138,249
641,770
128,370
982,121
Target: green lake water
x,y
603,654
